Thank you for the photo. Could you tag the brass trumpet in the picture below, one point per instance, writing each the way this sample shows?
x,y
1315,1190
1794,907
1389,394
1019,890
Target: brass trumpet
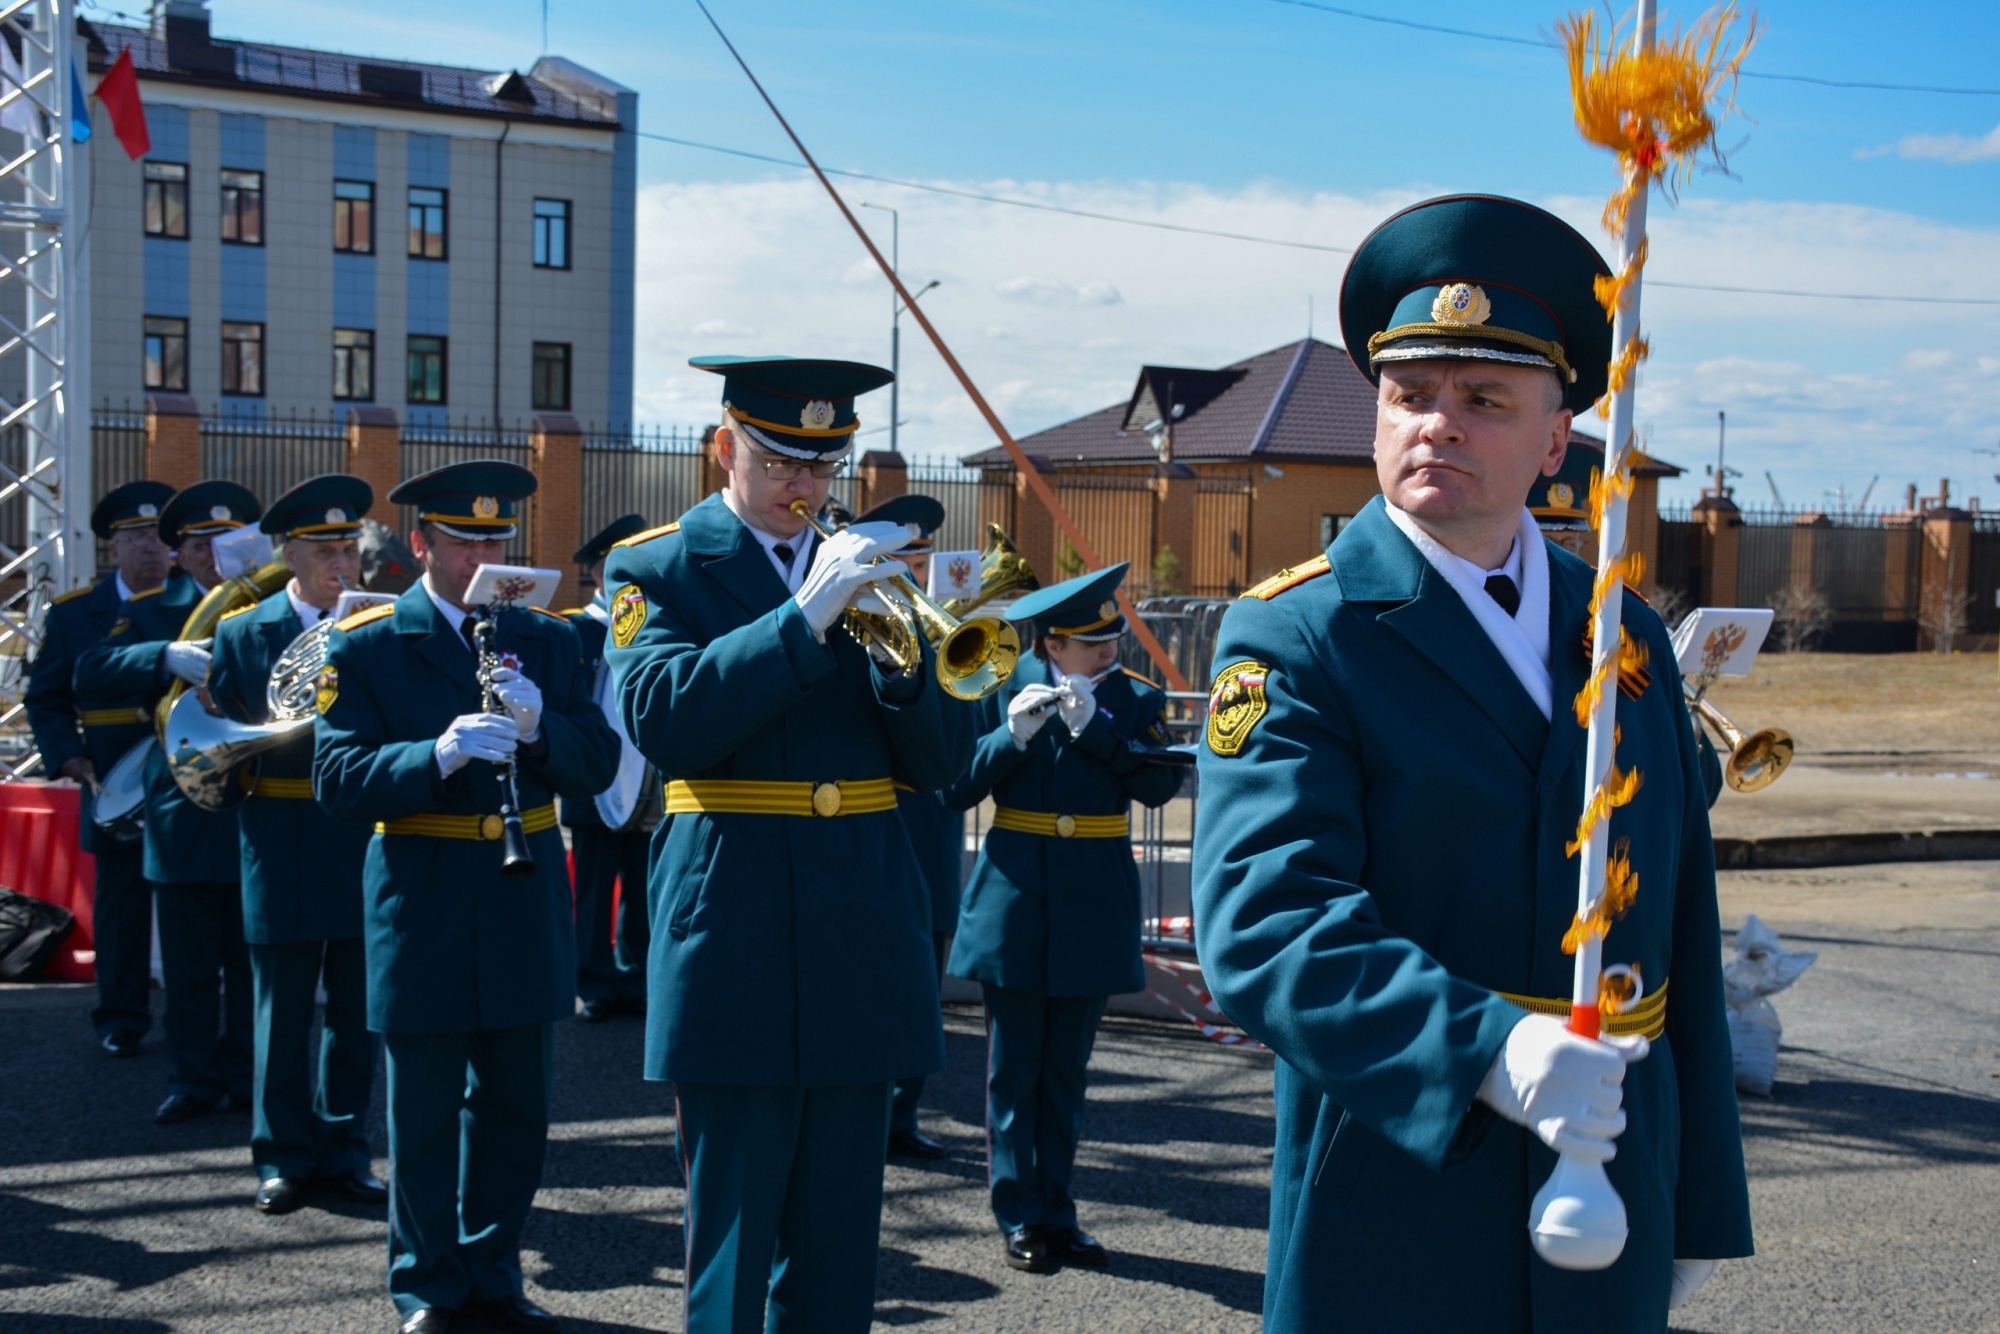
x,y
1756,759
1002,570
975,657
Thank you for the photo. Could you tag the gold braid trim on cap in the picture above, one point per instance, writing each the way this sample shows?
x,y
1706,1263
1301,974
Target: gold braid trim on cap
x,y
806,431
1476,333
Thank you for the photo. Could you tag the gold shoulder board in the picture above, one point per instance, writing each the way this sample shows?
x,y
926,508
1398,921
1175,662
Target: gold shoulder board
x,y
149,593
648,535
1147,679
552,615
367,614
236,611
1291,578
72,594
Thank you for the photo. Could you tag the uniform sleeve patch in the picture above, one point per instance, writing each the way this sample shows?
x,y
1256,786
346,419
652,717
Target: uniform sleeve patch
x,y
1236,704
1291,578
628,614
329,688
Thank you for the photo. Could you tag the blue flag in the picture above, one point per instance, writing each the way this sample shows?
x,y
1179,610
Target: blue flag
x,y
79,108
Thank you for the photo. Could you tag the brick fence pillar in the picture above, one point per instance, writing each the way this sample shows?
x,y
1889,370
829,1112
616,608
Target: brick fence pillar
x,y
375,455
555,514
1945,576
173,439
883,475
1034,528
1720,545
1805,543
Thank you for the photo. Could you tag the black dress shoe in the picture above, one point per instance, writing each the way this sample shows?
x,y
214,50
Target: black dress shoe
x,y
363,1186
120,1044
181,1107
1028,1250
280,1195
513,1315
597,1011
430,1320
915,1144
1074,1246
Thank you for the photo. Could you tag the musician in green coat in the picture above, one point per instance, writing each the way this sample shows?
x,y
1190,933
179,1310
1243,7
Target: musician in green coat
x,y
84,745
302,877
1392,776
192,856
468,966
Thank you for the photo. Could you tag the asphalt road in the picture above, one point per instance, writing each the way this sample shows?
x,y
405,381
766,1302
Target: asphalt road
x,y
1875,1167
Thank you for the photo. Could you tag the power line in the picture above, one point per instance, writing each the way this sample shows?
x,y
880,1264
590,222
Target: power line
x,y
1514,40
1128,221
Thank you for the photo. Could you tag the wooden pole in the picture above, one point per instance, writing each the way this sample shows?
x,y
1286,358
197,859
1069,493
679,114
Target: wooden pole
x,y
1147,639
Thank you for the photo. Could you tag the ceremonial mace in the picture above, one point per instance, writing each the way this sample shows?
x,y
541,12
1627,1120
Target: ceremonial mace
x,y
1651,106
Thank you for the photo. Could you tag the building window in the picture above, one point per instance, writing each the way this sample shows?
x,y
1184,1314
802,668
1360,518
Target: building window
x,y
242,358
427,369
166,353
552,233
551,378
243,207
426,223
354,363
167,199
1332,526
354,217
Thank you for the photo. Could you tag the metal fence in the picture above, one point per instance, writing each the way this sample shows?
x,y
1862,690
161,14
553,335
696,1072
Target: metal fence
x,y
425,448
1117,509
1982,610
1219,565
271,455
657,474
958,489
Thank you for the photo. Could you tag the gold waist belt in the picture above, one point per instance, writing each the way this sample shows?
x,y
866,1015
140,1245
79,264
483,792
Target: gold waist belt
x,y
479,828
114,717
1062,826
292,789
1647,1016
750,796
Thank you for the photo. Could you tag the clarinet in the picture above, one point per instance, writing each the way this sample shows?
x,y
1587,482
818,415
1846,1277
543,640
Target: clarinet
x,y
516,860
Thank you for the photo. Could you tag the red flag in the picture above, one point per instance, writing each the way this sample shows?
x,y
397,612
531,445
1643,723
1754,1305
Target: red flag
x,y
119,91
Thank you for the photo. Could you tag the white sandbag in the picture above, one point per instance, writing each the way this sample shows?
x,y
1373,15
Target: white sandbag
x,y
1761,967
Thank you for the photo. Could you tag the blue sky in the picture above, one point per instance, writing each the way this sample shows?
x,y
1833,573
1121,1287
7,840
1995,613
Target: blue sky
x,y
1279,120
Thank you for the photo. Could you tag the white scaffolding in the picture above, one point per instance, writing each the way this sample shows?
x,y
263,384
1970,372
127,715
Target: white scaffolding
x,y
46,547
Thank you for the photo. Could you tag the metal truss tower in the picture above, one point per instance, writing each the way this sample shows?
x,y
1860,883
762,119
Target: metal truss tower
x,y
46,547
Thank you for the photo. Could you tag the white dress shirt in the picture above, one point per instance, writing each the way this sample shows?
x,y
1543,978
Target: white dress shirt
x,y
308,615
793,574
1522,638
453,616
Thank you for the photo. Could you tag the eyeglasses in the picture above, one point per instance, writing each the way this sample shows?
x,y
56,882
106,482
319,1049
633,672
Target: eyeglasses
x,y
786,470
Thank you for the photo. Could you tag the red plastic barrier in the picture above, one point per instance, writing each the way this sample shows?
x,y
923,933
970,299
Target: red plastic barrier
x,y
39,857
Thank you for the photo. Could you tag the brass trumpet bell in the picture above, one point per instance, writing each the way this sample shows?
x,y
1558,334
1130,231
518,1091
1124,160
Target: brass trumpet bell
x,y
1756,759
1002,570
974,656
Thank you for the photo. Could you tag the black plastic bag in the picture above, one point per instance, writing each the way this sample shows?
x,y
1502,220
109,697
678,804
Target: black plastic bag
x,y
31,932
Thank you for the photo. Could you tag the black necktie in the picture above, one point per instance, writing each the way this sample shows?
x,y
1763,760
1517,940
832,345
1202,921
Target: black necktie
x,y
783,551
1501,589
465,628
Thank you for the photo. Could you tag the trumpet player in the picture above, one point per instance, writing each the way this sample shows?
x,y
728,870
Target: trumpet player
x,y
192,858
1050,923
791,977
301,878
468,968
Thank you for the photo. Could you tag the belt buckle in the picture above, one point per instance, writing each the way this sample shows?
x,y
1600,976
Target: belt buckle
x,y
1065,826
491,827
826,799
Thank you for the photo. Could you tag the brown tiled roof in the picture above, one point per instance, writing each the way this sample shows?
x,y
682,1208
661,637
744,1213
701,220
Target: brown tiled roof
x,y
330,76
1304,402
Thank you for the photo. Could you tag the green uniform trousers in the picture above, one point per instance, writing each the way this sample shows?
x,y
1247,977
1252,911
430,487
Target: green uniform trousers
x,y
910,1092
784,1200
468,1124
297,1130
207,968
121,928
1037,1053
610,966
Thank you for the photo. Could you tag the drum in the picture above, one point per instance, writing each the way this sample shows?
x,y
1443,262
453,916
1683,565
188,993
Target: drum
x,y
119,808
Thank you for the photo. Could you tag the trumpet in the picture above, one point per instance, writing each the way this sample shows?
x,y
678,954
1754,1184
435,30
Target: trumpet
x,y
975,657
1756,759
1002,570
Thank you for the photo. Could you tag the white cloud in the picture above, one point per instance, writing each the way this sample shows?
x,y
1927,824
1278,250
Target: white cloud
x,y
1947,147
1823,393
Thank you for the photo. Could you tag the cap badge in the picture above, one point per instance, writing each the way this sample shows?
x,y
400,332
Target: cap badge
x,y
1107,609
149,511
1461,303
485,507
816,415
336,516
220,513
1562,496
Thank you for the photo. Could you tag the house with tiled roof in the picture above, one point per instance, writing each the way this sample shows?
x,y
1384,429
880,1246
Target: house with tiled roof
x,y
1251,467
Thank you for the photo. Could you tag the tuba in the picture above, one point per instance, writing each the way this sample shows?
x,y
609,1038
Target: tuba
x,y
1002,570
1756,759
975,657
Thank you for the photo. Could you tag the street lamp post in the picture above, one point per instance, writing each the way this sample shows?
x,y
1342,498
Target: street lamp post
x,y
896,319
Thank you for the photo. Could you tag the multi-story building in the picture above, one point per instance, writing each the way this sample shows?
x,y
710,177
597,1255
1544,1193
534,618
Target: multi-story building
x,y
313,231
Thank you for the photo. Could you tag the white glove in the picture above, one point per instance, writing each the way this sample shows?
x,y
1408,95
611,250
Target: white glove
x,y
1689,1275
476,736
1026,713
1565,1088
844,565
522,699
1079,703
189,660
